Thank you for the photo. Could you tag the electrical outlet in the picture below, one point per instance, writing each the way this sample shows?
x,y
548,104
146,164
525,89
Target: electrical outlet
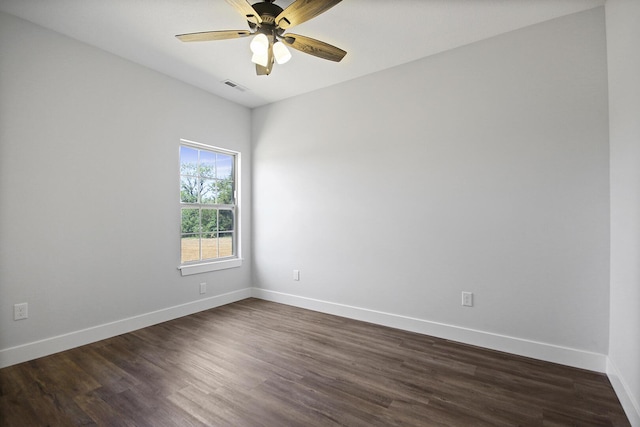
x,y
203,288
467,299
20,311
296,275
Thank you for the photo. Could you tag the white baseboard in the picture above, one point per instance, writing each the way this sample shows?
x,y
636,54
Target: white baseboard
x,y
628,401
22,353
537,350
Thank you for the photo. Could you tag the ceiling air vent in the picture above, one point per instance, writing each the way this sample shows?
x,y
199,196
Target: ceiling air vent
x,y
234,85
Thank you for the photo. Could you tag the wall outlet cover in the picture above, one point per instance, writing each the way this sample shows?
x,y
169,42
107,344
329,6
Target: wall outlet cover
x,y
20,311
467,299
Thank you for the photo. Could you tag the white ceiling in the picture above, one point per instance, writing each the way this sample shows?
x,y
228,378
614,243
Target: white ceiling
x,y
377,34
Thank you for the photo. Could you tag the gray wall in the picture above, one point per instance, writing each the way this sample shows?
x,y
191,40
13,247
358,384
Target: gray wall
x,y
89,215
623,37
481,169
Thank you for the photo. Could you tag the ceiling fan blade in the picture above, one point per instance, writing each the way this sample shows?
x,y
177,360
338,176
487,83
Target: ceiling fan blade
x,y
246,10
314,47
213,35
262,71
302,10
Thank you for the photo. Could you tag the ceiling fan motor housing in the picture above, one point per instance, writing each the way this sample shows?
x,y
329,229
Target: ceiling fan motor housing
x,y
268,12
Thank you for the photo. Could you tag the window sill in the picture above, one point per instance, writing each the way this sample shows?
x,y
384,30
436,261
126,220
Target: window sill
x,y
188,270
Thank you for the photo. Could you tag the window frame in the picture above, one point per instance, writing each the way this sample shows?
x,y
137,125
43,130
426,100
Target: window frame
x,y
212,264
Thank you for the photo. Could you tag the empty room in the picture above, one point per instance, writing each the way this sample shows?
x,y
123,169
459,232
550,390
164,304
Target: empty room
x,y
320,212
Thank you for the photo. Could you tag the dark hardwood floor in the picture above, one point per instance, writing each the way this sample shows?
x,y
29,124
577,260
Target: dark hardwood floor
x,y
257,363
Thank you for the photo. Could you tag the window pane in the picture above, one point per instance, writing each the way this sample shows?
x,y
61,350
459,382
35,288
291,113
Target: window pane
x,y
209,246
207,164
225,192
209,191
224,166
188,161
225,222
190,221
206,182
225,240
209,220
188,189
189,248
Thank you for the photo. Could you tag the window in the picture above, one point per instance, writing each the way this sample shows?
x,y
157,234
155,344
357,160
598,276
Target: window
x,y
208,207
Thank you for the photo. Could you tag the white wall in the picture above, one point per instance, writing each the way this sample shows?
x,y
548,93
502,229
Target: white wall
x,y
481,169
89,221
623,50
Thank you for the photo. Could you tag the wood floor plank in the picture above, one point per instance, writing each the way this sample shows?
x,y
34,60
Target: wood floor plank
x,y
256,363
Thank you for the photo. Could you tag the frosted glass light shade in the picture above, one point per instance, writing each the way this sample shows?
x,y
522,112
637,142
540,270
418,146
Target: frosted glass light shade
x,y
260,58
281,53
259,44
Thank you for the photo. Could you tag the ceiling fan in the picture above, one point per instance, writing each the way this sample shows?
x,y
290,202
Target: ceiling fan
x,y
268,22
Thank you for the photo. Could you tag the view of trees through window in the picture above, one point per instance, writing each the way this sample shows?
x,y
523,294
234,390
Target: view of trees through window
x,y
207,199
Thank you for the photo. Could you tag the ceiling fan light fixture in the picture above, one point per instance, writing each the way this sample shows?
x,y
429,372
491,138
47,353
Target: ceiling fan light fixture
x,y
281,53
260,44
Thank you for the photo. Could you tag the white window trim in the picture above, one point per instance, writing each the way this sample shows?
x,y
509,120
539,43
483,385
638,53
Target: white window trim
x,y
222,264
205,267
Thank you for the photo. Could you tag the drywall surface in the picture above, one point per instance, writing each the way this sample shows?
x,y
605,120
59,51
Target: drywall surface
x,y
623,35
482,169
89,214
